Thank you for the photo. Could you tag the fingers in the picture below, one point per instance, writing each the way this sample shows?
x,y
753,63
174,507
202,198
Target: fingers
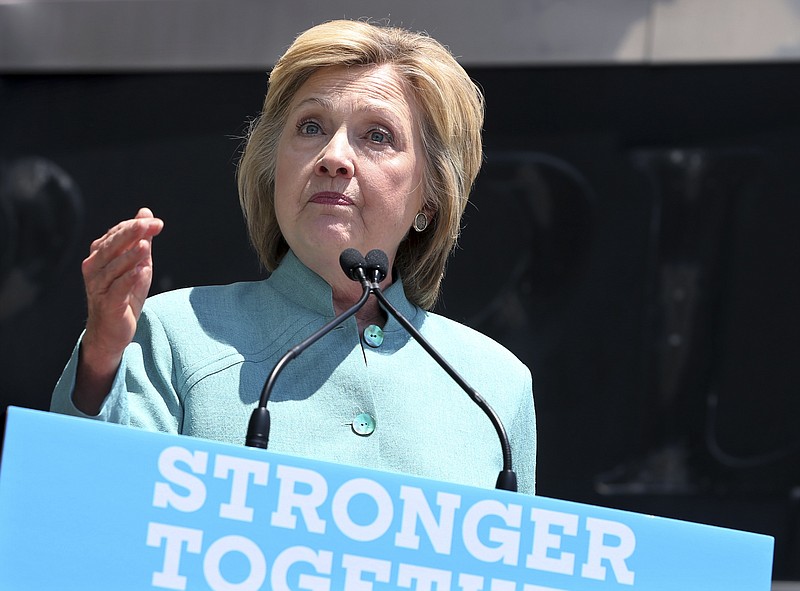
x,y
117,275
144,212
106,266
126,292
119,264
144,225
122,240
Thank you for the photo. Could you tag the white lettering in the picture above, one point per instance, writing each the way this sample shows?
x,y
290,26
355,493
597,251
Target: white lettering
x,y
470,582
217,551
174,538
475,583
164,495
425,577
616,555
340,509
544,540
507,549
242,469
322,562
308,504
355,566
416,507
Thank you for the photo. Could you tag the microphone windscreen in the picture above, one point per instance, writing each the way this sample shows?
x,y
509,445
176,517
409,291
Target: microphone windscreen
x,y
378,261
350,260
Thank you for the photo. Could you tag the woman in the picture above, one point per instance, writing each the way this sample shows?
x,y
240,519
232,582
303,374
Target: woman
x,y
369,138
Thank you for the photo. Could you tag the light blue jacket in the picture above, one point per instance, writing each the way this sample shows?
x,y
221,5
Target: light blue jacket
x,y
200,357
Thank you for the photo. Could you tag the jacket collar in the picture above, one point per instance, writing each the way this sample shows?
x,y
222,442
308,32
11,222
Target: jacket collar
x,y
304,287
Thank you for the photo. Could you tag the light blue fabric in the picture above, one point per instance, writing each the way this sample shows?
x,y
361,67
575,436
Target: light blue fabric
x,y
200,357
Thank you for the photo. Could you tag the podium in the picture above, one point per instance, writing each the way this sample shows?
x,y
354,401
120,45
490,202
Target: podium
x,y
86,505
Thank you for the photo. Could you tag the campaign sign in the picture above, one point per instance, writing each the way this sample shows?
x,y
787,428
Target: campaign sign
x,y
86,505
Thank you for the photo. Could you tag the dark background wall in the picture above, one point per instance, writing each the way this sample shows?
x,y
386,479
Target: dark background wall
x,y
632,238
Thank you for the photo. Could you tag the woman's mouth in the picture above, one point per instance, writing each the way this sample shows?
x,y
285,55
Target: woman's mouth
x,y
331,198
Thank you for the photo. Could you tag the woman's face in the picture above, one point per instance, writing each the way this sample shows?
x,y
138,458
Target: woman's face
x,y
350,164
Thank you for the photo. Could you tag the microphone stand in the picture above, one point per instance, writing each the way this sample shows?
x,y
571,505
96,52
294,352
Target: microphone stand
x,y
259,425
507,478
377,263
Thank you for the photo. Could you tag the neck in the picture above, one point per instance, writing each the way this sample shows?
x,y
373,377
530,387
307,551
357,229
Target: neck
x,y
347,292
370,313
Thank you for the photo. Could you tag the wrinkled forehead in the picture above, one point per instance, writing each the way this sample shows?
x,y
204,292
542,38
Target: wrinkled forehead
x,y
359,87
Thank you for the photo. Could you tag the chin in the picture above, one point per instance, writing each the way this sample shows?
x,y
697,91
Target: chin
x,y
331,241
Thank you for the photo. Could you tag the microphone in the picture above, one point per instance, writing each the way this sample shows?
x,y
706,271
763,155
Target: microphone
x,y
353,265
377,263
377,267
370,271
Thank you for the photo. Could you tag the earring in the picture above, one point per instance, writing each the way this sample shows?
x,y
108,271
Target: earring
x,y
420,222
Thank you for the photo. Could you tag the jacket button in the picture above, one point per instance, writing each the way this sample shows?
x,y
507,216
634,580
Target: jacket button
x,y
363,425
373,336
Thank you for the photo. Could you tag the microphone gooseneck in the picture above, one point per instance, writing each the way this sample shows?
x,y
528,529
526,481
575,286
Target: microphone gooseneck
x,y
377,267
370,271
353,265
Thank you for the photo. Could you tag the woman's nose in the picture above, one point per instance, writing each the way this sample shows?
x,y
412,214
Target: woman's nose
x,y
337,157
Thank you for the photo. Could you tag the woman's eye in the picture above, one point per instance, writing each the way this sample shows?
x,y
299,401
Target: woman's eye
x,y
309,128
380,136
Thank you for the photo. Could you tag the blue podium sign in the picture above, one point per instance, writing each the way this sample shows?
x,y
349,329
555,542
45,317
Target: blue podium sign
x,y
87,505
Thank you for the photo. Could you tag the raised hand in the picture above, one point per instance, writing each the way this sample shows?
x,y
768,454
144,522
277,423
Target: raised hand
x,y
117,274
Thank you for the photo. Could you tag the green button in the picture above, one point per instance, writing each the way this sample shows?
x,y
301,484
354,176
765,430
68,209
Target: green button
x,y
364,425
373,335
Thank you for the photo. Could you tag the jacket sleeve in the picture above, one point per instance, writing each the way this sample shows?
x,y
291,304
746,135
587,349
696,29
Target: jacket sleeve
x,y
522,433
143,393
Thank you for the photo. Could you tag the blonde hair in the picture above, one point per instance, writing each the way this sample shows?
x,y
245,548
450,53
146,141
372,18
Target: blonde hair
x,y
450,125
